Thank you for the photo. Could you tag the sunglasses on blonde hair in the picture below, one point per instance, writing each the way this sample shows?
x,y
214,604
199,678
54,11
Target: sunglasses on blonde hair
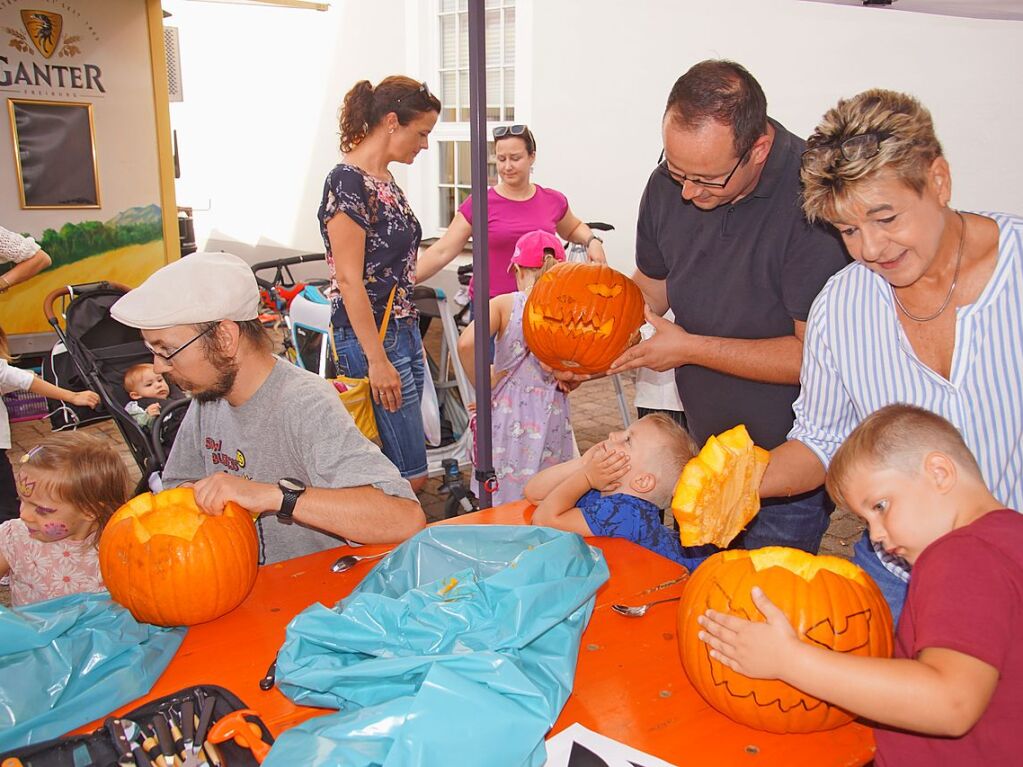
x,y
860,147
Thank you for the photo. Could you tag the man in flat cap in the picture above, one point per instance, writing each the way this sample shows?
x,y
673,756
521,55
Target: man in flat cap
x,y
261,432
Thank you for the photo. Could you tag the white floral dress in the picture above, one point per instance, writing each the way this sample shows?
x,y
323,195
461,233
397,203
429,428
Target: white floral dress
x,y
42,570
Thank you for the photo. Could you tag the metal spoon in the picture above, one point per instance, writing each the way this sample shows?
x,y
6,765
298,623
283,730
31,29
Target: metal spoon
x,y
348,561
640,610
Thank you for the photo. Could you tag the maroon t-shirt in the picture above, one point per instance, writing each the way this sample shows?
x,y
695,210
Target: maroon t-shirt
x,y
966,594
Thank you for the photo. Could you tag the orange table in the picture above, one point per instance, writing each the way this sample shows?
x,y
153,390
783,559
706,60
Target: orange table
x,y
629,683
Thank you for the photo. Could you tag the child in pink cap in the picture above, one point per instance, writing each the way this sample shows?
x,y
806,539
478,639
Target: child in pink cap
x,y
530,416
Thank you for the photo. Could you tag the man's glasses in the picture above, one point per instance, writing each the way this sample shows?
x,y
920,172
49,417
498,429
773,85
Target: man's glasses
x,y
168,357
861,147
424,89
682,178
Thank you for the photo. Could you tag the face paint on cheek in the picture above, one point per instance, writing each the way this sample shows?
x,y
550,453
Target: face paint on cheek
x,y
54,531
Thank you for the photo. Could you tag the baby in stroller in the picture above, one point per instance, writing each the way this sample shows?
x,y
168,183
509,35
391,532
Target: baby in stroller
x,y
149,392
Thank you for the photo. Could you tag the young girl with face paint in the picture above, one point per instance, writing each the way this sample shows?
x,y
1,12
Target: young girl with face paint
x,y
69,485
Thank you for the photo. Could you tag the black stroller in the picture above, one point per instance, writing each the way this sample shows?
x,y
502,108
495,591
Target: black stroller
x,y
94,352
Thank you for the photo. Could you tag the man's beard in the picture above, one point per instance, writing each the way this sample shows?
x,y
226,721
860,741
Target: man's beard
x,y
227,373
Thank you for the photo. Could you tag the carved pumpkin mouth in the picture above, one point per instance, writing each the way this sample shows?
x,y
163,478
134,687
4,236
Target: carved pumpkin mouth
x,y
572,325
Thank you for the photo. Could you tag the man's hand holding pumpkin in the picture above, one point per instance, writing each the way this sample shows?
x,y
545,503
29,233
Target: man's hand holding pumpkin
x,y
665,350
213,493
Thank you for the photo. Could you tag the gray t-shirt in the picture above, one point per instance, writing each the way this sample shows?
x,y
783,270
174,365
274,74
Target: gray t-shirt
x,y
293,426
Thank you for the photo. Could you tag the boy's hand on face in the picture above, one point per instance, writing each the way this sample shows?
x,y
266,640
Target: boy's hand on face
x,y
755,649
603,468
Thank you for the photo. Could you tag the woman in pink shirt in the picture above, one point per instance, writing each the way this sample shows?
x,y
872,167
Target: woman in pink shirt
x,y
515,206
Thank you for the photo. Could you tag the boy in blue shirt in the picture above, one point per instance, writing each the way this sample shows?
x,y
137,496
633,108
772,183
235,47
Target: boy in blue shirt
x,y
619,487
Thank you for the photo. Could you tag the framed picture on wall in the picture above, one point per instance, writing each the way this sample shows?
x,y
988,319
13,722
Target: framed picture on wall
x,y
55,153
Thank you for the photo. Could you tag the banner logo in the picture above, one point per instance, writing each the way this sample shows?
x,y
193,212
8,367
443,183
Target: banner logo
x,y
44,30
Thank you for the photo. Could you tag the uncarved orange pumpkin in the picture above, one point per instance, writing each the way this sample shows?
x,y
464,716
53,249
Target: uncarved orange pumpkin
x,y
718,492
581,317
172,565
830,602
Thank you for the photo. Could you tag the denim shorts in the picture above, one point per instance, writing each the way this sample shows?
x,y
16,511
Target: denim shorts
x,y
401,433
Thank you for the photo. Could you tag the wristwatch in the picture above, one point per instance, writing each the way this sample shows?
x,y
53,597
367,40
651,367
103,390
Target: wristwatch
x,y
291,488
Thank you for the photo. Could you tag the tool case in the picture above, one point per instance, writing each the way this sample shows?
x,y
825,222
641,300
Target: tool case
x,y
99,749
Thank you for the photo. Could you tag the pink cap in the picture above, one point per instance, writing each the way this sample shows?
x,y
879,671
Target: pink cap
x,y
530,248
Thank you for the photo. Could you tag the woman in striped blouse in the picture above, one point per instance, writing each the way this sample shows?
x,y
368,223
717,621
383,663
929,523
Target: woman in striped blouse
x,y
929,314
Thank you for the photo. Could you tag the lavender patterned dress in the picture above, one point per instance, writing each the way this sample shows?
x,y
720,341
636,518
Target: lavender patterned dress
x,y
530,414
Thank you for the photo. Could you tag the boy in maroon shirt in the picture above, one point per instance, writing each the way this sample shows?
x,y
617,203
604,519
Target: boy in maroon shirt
x,y
953,693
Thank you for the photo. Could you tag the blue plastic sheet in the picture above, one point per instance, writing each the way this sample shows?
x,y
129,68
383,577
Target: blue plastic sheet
x,y
459,648
67,661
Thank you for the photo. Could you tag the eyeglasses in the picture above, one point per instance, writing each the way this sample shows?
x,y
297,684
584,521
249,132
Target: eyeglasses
x,y
423,88
682,178
168,357
861,147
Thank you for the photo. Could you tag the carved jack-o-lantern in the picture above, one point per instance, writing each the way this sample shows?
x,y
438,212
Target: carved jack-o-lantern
x,y
830,602
580,317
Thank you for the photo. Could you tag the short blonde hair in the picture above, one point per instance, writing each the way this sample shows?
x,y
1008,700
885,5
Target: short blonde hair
x,y
897,437
84,471
831,183
134,374
676,448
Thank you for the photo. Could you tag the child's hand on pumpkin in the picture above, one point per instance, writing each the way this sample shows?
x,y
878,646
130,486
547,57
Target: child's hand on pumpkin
x,y
757,649
603,467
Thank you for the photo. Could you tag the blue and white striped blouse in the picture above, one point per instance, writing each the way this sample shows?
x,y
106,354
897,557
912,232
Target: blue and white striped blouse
x,y
856,359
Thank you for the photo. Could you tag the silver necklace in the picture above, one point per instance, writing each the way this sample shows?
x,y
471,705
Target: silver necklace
x,y
951,288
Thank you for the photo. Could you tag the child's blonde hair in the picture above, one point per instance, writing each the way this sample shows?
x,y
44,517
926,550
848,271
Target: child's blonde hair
x,y
536,272
677,447
897,437
84,471
133,374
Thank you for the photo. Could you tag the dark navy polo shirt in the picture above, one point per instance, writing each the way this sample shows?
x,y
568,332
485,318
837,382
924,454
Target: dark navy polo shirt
x,y
744,270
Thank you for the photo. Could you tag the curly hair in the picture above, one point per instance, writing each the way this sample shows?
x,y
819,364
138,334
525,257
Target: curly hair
x,y
365,106
907,148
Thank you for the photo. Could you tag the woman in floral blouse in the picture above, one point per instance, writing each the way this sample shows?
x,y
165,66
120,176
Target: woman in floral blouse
x,y
372,240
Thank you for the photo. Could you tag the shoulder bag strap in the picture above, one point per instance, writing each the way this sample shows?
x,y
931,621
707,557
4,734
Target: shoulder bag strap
x,y
383,324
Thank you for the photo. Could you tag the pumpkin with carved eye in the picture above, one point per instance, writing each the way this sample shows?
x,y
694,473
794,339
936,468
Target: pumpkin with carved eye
x,y
581,317
173,565
830,603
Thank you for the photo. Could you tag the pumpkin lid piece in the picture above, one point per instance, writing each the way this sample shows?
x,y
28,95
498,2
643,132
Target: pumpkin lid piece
x,y
717,494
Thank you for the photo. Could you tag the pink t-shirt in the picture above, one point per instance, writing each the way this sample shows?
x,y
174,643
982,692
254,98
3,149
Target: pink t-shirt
x,y
966,594
507,221
46,570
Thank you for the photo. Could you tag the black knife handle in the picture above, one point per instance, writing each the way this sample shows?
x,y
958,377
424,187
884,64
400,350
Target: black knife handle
x,y
164,738
205,719
188,722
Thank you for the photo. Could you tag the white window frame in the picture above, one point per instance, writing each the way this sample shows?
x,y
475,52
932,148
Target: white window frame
x,y
422,32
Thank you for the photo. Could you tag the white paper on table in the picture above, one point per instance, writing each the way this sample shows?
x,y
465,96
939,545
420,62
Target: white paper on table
x,y
577,746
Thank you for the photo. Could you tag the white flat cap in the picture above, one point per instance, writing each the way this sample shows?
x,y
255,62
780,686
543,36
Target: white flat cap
x,y
202,287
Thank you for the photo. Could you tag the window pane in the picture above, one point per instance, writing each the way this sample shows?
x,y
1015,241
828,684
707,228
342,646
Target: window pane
x,y
448,41
463,5
448,97
462,195
447,161
509,37
447,5
492,38
509,94
447,205
464,163
463,95
494,95
463,39
491,164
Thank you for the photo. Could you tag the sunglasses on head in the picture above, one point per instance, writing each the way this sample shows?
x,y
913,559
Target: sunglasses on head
x,y
861,147
423,88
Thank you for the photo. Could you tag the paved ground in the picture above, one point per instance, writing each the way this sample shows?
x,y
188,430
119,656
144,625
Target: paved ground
x,y
595,412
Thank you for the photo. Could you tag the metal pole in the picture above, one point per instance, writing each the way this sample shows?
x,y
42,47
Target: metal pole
x,y
480,263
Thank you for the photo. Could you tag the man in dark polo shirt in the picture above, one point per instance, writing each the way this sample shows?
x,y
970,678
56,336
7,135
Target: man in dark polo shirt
x,y
722,241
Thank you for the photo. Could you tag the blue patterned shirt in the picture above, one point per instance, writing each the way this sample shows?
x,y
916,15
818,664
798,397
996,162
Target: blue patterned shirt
x,y
625,516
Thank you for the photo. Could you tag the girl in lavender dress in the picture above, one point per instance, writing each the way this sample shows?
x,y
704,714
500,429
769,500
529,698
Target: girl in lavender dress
x,y
530,417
